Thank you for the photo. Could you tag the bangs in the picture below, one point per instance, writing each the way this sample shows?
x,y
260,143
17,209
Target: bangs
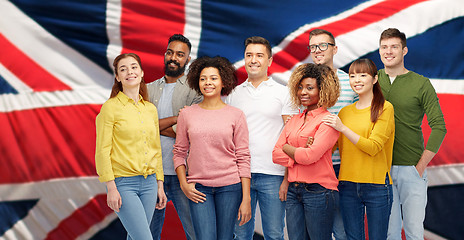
x,y
363,66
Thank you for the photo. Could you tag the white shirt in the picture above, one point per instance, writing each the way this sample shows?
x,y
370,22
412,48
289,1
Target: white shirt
x,y
263,107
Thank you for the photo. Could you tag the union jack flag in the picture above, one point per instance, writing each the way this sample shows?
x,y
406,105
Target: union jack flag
x,y
55,72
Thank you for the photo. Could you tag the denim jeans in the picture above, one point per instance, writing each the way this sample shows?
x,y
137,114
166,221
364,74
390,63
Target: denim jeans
x,y
409,202
265,191
360,199
338,227
215,218
181,204
310,211
138,196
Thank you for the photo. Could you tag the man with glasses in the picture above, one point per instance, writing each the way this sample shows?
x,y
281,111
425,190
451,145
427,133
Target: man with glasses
x,y
170,94
412,95
322,50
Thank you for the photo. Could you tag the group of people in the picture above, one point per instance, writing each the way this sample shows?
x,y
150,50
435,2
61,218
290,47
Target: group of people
x,y
322,152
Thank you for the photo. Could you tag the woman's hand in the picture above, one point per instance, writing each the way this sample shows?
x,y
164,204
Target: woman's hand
x,y
113,199
244,212
193,194
162,199
334,121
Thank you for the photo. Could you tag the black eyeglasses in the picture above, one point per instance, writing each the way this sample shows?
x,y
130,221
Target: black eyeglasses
x,y
321,46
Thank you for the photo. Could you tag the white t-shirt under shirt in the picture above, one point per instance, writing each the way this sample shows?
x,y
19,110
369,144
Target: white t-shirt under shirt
x,y
263,107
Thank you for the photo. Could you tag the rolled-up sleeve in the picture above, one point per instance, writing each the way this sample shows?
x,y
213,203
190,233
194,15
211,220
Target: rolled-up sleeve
x,y
324,139
278,155
104,142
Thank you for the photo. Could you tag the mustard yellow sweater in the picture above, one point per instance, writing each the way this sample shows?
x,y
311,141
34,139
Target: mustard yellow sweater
x,y
370,159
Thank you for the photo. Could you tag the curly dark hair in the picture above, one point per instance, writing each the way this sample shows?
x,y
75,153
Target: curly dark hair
x,y
326,80
223,65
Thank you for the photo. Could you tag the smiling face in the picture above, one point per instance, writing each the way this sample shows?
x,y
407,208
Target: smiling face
x,y
210,82
392,52
257,61
308,93
362,83
129,73
323,57
176,58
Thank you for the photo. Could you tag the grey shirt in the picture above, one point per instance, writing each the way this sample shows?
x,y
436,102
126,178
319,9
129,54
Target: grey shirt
x,y
182,95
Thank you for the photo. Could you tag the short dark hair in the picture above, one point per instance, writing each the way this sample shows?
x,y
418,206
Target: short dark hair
x,y
225,68
319,31
259,40
394,33
180,38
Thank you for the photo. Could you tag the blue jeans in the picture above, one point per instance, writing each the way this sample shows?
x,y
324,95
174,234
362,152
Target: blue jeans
x,y
181,204
409,202
360,199
138,196
215,218
310,211
265,190
338,228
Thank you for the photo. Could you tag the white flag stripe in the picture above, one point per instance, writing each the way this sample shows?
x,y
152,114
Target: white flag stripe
x,y
62,61
14,81
192,29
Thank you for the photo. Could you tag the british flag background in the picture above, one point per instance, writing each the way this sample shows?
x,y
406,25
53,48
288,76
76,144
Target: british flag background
x,y
55,72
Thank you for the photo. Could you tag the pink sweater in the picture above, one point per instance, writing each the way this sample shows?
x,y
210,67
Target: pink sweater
x,y
314,163
214,143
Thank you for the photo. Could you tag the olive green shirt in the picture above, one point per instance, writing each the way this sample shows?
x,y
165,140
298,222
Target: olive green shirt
x,y
412,96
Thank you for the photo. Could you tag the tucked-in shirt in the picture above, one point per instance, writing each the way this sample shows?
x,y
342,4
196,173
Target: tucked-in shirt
x,y
263,107
369,161
412,95
169,102
213,144
312,164
128,142
347,97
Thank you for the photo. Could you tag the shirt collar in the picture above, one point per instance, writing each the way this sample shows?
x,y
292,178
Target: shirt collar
x,y
314,112
268,82
124,99
182,80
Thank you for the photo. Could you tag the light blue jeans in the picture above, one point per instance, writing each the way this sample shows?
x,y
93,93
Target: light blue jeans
x,y
409,202
181,204
214,218
265,190
138,196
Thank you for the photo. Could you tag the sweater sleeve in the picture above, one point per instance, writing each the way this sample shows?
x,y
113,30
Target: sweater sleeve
x,y
104,126
324,140
182,144
242,153
278,155
435,117
380,133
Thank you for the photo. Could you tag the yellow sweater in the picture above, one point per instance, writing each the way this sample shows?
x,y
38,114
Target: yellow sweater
x,y
128,139
370,159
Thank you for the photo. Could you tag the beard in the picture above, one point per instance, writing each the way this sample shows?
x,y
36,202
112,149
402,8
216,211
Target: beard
x,y
174,72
